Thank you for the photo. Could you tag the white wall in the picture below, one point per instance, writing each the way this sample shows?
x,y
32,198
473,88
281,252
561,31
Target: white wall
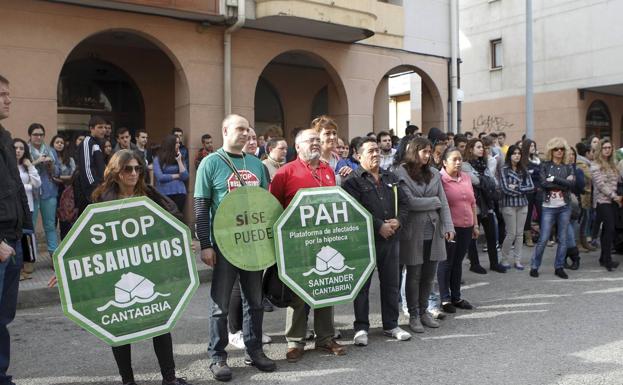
x,y
427,26
577,44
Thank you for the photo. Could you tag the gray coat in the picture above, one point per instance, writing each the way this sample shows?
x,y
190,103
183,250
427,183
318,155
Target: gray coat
x,y
425,201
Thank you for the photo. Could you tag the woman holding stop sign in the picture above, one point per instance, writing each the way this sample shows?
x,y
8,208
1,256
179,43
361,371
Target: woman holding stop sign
x,y
124,178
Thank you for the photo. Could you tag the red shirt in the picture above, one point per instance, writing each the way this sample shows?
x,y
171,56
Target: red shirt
x,y
460,195
297,175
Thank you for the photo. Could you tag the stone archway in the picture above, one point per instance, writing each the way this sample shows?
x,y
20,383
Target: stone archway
x,y
299,77
414,97
150,68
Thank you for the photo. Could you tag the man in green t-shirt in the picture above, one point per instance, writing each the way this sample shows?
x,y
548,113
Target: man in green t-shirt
x,y
221,172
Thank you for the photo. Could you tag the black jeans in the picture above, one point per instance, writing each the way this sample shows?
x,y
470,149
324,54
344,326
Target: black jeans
x,y
9,284
163,346
180,201
387,266
533,204
606,215
235,309
449,271
488,225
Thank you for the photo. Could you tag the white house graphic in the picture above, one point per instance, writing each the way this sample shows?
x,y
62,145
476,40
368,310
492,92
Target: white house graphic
x,y
133,285
131,289
328,260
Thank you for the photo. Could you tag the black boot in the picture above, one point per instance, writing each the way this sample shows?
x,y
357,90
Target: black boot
x,y
574,254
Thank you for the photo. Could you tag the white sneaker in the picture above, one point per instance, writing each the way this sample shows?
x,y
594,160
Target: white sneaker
x,y
266,338
236,340
398,333
405,310
309,334
437,314
361,338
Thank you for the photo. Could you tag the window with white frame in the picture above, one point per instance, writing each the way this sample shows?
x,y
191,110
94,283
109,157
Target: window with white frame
x,y
496,54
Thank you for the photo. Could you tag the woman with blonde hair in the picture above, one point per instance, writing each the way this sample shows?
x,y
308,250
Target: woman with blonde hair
x,y
557,179
606,199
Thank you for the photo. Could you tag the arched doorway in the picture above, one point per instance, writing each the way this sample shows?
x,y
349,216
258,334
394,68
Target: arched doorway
x,y
94,87
405,95
305,86
268,109
126,76
598,121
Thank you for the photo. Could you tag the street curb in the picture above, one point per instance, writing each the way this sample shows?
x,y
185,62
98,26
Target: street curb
x,y
44,296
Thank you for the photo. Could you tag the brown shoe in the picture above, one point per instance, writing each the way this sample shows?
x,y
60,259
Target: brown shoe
x,y
332,347
294,354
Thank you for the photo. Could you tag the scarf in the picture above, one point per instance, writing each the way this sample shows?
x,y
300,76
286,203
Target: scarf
x,y
479,164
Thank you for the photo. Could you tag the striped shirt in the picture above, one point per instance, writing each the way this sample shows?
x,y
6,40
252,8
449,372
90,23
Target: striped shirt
x,y
515,186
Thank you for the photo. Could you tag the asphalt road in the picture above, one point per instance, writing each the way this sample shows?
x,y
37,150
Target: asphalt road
x,y
524,331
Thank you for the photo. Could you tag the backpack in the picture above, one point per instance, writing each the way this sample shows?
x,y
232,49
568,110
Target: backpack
x,y
67,210
275,290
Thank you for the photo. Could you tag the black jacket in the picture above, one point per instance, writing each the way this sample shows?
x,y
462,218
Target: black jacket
x,y
379,199
14,211
90,169
560,173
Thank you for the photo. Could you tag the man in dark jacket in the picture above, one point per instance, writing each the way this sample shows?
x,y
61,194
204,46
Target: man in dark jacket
x,y
91,163
377,190
14,216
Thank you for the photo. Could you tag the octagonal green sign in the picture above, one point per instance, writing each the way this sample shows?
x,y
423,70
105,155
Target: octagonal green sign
x,y
243,227
126,270
325,246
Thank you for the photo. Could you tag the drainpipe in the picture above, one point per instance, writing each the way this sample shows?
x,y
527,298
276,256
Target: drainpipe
x,y
454,58
529,73
227,54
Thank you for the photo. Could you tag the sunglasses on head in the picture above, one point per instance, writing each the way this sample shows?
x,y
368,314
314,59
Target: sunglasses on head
x,y
128,169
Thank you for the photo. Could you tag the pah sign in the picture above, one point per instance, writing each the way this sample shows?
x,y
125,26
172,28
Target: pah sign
x,y
126,270
325,246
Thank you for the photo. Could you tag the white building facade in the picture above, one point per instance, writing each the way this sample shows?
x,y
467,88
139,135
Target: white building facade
x,y
578,77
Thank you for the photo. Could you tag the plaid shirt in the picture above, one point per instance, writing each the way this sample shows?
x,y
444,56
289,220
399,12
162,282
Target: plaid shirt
x,y
515,197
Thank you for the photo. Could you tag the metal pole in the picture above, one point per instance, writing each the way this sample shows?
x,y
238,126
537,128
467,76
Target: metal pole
x,y
454,55
529,73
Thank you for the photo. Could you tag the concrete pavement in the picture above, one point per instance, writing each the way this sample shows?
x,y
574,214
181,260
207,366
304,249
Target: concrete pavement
x,y
524,331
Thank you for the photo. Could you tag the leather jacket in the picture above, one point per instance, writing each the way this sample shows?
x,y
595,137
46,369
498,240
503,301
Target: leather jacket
x,y
560,173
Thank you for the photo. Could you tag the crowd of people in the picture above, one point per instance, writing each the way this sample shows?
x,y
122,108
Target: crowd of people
x,y
429,195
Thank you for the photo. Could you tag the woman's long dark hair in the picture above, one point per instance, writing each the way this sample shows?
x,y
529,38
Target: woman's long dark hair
x,y
418,171
400,151
521,166
469,149
525,151
64,155
26,150
109,188
167,153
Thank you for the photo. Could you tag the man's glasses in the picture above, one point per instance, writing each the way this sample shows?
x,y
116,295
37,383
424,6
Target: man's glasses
x,y
128,169
311,140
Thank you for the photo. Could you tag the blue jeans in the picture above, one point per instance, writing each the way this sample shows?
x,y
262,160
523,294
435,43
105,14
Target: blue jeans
x,y
572,230
223,279
48,215
560,216
9,284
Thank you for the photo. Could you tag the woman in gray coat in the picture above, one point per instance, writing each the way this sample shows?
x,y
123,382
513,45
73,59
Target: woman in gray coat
x,y
429,224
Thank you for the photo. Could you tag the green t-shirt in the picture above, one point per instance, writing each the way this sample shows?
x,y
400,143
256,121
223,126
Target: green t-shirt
x,y
215,178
